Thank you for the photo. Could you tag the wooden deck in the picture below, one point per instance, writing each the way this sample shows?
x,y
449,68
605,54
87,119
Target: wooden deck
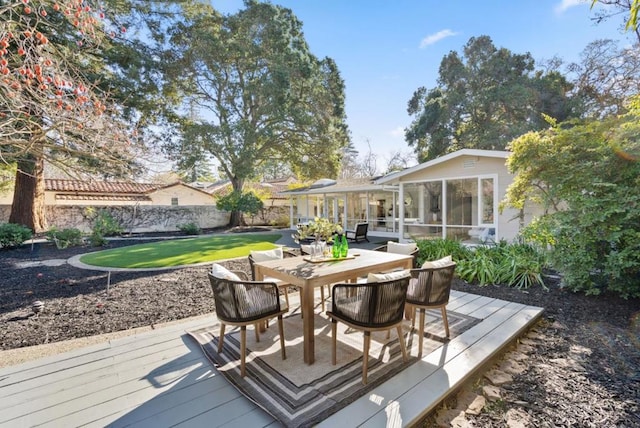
x,y
161,379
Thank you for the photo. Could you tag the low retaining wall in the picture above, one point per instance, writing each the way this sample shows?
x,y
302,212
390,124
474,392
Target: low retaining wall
x,y
151,218
134,219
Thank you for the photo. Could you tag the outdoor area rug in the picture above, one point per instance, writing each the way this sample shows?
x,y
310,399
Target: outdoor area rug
x,y
301,395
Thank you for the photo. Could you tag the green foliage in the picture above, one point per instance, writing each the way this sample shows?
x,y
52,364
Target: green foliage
x,y
64,238
485,97
13,235
319,229
103,225
513,265
433,249
247,203
587,175
190,229
480,266
261,95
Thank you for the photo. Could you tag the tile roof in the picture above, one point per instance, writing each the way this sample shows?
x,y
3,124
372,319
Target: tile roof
x,y
90,197
110,187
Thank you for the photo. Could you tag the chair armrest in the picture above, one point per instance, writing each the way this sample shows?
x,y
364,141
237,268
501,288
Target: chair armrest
x,y
241,274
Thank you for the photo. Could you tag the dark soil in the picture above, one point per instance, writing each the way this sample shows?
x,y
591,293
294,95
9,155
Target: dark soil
x,y
583,369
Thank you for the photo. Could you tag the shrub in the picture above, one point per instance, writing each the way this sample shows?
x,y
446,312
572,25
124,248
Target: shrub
x,y
97,240
190,229
433,249
103,225
106,225
66,237
13,235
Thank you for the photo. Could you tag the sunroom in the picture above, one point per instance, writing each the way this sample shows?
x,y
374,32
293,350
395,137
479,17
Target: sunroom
x,y
455,196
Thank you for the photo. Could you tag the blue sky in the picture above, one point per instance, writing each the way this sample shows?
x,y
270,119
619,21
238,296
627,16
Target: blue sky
x,y
385,50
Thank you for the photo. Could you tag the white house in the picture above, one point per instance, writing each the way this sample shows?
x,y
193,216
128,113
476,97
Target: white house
x,y
455,196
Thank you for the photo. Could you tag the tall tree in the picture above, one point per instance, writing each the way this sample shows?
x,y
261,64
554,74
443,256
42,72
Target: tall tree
x,y
606,77
483,100
628,8
261,94
56,102
587,174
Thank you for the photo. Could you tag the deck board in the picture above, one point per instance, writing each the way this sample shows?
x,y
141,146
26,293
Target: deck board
x,y
161,378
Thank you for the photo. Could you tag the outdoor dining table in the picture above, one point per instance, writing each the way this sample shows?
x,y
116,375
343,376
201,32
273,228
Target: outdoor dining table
x,y
308,275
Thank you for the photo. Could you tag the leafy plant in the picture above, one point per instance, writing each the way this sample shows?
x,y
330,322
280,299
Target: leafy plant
x,y
190,229
245,203
65,238
319,229
433,249
103,225
13,235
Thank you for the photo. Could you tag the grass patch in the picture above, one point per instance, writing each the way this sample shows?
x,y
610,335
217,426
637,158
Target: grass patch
x,y
178,252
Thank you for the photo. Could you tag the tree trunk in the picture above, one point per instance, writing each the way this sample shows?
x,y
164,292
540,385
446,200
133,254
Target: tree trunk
x,y
236,216
28,206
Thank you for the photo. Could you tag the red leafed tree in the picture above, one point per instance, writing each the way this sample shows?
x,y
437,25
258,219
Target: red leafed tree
x,y
54,103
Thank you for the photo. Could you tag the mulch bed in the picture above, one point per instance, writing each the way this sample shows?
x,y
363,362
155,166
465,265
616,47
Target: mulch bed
x,y
583,369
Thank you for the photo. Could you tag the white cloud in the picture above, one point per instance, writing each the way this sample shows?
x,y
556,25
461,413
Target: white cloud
x,y
567,4
398,132
434,38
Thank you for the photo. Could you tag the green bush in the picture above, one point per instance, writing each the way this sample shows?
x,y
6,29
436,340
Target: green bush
x,y
433,249
97,240
481,266
514,265
66,237
13,235
105,225
190,229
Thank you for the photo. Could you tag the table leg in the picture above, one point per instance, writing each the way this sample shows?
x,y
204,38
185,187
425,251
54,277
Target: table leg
x,y
307,325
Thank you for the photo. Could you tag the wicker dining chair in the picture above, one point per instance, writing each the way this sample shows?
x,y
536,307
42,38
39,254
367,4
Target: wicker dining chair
x,y
430,288
414,253
242,303
369,307
282,285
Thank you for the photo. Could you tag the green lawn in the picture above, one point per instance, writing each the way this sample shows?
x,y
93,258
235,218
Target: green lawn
x,y
179,252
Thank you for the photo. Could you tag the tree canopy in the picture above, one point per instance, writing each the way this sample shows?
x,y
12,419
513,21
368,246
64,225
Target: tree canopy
x,y
587,174
58,68
485,98
246,90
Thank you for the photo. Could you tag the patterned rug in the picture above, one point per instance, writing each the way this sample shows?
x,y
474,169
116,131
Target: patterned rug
x,y
301,395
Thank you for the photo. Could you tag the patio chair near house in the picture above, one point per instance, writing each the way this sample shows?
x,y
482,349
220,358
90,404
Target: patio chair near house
x,y
410,249
371,306
240,303
429,288
358,233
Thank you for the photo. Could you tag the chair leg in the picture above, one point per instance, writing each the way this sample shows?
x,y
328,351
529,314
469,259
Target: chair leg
x,y
334,340
221,339
281,331
243,348
403,348
445,320
286,295
421,329
412,309
365,356
257,329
